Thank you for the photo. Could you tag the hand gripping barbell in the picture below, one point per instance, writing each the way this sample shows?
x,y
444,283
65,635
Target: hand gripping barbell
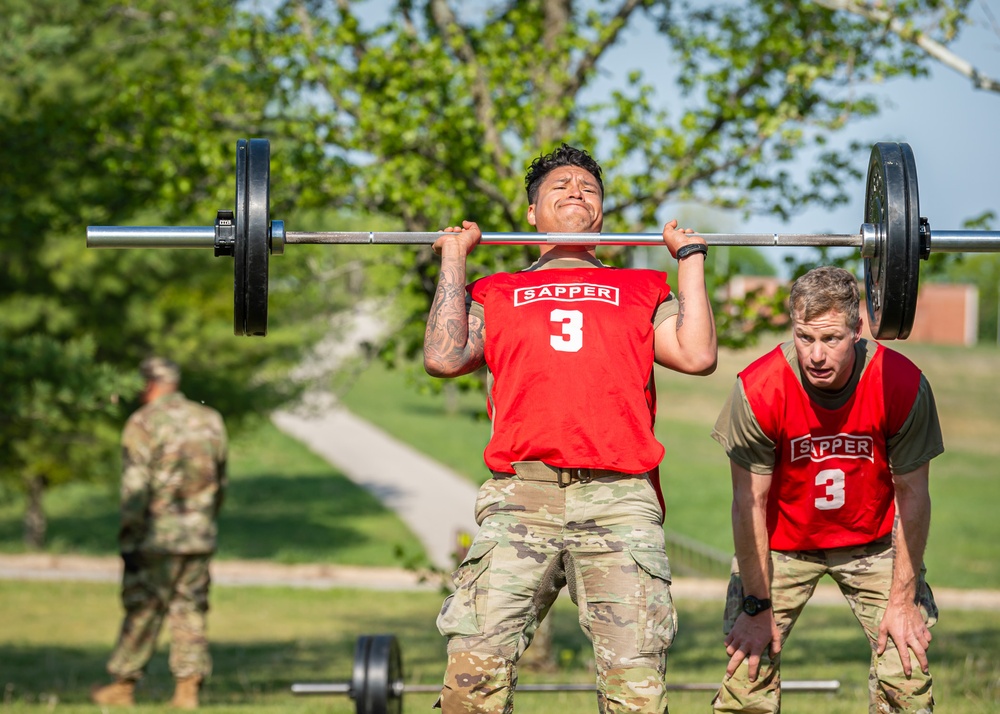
x,y
377,686
893,238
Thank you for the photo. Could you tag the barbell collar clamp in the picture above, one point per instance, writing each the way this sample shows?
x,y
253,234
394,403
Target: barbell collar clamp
x,y
276,236
225,234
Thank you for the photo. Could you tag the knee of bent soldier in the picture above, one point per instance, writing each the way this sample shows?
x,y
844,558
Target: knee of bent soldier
x,y
895,691
633,689
476,682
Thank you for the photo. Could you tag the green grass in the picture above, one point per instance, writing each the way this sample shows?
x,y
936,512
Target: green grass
x,y
287,504
965,533
265,639
284,504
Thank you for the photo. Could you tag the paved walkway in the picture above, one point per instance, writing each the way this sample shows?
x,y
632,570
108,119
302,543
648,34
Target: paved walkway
x,y
435,502
227,573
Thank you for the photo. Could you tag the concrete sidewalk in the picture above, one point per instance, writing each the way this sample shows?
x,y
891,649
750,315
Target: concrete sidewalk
x,y
435,502
231,573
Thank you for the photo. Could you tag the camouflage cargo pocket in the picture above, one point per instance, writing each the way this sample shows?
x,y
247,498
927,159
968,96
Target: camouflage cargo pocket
x,y
463,611
925,600
734,603
660,617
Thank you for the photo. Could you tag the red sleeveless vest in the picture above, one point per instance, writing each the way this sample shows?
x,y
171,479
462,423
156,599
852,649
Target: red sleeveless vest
x,y
831,485
571,354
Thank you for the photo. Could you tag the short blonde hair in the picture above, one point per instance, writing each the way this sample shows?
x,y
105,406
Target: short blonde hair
x,y
823,290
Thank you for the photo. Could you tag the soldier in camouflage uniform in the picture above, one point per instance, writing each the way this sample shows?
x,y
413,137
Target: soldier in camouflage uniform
x,y
830,439
173,481
575,496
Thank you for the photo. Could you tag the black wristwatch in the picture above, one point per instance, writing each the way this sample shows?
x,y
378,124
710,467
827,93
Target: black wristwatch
x,y
754,605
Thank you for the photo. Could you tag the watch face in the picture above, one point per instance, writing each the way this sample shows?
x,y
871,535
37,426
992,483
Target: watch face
x,y
752,605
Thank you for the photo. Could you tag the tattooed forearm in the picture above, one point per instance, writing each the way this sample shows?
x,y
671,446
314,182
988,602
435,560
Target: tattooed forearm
x,y
680,309
453,340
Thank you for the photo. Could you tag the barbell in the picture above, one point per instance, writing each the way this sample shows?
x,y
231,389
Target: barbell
x,y
892,240
377,685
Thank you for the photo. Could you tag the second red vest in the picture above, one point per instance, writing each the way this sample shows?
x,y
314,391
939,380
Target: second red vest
x,y
831,485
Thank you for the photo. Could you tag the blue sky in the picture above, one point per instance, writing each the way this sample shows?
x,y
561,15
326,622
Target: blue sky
x,y
953,129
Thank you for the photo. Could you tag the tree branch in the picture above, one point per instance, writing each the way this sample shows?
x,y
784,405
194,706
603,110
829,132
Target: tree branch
x,y
446,22
914,36
613,30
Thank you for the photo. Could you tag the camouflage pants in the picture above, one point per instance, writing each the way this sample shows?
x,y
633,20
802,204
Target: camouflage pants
x,y
174,587
604,540
864,574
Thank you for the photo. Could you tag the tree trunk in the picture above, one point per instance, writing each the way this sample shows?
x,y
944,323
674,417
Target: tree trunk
x,y
35,523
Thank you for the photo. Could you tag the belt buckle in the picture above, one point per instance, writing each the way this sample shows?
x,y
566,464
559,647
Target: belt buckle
x,y
567,476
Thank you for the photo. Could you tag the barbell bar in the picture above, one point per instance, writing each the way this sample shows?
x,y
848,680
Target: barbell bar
x,y
377,685
893,238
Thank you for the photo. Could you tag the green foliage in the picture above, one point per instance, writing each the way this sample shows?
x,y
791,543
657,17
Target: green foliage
x,y
284,504
429,113
114,113
422,112
58,410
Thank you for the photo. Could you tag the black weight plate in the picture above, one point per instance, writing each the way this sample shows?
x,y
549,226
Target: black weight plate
x,y
892,204
385,673
359,674
240,247
908,295
258,244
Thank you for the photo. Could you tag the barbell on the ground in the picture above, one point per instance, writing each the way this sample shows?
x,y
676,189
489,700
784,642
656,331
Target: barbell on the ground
x,y
377,686
892,240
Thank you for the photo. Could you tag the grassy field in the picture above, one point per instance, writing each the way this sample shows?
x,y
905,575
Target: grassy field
x,y
284,504
288,505
265,639
965,481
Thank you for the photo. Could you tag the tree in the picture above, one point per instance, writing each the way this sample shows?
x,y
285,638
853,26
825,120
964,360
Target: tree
x,y
57,406
429,111
947,21
127,113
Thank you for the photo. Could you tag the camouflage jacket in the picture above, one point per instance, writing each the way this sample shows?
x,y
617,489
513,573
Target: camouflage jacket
x,y
173,477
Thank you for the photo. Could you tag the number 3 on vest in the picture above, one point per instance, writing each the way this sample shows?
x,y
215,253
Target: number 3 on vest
x,y
571,323
833,480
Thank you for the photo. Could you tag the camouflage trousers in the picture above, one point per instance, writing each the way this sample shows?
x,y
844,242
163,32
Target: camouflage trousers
x,y
864,574
603,539
171,587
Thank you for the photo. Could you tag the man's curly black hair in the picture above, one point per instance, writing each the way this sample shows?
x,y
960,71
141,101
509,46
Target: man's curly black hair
x,y
565,155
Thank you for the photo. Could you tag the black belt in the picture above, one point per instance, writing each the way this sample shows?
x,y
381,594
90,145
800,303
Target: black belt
x,y
539,471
